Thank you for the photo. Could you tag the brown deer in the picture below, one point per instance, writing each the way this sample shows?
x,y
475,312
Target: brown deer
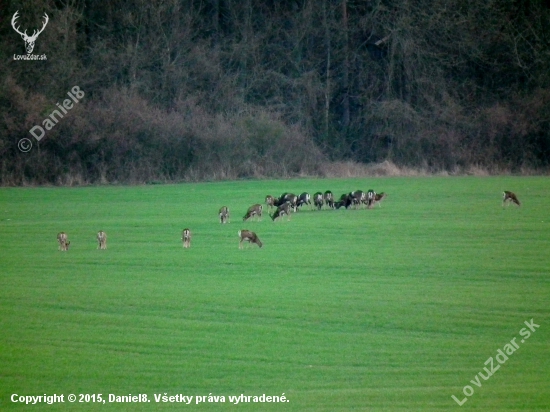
x,y
63,241
101,240
250,237
379,197
318,200
224,214
254,210
270,202
186,238
510,197
282,210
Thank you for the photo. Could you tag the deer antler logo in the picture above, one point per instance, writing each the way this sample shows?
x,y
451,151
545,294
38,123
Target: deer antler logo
x,y
29,40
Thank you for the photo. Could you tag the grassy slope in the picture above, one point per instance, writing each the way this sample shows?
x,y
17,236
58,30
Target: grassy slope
x,y
395,308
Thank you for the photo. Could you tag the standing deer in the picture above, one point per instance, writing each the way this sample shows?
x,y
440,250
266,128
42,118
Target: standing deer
x,y
186,238
358,197
318,200
270,202
282,210
329,199
29,40
102,240
371,196
379,197
510,197
224,214
304,199
63,241
254,210
250,237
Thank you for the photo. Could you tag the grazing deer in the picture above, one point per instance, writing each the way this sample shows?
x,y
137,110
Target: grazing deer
x,y
186,238
63,241
224,214
304,199
346,200
318,200
102,240
510,197
291,198
329,199
357,198
379,197
338,204
250,237
254,210
282,210
270,202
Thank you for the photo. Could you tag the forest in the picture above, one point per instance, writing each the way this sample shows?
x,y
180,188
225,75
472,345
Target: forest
x,y
190,90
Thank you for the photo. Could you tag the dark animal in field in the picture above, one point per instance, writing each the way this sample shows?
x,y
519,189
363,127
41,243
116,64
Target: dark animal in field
x,y
346,200
358,197
186,238
224,214
510,197
249,236
288,197
254,210
277,201
329,199
318,200
282,210
304,199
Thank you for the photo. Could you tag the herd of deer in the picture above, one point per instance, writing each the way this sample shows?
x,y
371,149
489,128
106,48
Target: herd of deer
x,y
289,202
283,205
64,242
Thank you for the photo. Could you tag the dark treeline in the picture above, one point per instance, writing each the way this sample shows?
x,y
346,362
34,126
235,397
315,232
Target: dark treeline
x,y
214,89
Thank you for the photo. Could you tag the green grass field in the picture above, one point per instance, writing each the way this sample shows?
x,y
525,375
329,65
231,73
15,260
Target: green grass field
x,y
391,309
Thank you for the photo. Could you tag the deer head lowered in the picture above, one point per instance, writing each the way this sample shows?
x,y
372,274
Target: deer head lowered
x,y
29,40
